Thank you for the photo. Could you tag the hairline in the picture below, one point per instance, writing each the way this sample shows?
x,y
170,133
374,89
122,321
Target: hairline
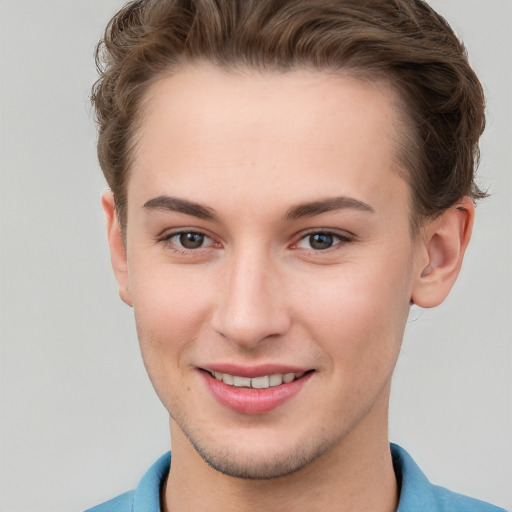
x,y
404,144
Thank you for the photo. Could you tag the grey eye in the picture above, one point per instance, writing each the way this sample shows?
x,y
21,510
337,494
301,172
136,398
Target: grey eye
x,y
319,241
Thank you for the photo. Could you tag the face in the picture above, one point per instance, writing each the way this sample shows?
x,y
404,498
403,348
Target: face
x,y
269,262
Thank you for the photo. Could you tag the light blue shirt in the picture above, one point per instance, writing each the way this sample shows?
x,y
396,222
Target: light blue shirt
x,y
417,494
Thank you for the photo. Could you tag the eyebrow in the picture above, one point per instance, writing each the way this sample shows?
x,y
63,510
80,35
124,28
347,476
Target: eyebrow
x,y
174,204
310,209
328,205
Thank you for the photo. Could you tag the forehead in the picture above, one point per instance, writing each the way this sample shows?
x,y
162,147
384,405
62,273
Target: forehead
x,y
294,134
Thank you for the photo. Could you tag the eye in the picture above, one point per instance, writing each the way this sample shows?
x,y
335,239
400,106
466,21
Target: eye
x,y
188,240
321,240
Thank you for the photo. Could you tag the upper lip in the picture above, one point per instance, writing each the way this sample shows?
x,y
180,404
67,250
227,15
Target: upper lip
x,y
253,371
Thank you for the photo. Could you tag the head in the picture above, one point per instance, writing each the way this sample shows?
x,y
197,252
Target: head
x,y
286,178
403,43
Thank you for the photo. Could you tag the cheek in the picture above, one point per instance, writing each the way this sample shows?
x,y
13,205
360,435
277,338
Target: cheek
x,y
166,296
170,308
357,314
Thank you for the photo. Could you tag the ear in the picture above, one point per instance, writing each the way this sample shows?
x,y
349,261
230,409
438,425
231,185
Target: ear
x,y
117,247
443,244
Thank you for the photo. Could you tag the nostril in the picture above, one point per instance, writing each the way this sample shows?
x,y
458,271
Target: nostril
x,y
248,330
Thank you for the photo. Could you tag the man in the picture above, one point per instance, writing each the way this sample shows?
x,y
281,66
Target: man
x,y
286,179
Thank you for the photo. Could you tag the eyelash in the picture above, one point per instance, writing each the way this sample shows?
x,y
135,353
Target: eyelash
x,y
342,239
167,241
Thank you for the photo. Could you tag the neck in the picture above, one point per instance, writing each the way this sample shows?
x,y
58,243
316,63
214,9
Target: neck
x,y
356,475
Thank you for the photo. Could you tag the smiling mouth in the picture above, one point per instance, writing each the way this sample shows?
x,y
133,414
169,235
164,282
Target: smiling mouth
x,y
263,382
258,390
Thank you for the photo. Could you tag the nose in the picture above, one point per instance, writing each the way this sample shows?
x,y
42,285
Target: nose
x,y
251,304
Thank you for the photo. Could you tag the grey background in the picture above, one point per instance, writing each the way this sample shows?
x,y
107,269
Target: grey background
x,y
79,422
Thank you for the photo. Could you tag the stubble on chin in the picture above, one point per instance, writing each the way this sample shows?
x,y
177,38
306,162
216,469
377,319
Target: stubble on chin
x,y
238,462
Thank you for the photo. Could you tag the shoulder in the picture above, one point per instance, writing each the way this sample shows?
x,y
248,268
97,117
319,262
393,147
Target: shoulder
x,y
147,494
418,494
450,501
122,503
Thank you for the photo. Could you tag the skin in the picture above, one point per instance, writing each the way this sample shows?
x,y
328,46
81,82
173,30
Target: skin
x,y
250,147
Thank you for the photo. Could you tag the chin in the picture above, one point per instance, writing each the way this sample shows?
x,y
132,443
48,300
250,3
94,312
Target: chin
x,y
260,460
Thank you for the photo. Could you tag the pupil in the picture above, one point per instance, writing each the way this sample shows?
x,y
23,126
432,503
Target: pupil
x,y
191,240
320,241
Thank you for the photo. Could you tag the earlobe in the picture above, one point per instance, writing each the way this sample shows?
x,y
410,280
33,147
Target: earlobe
x,y
443,245
117,247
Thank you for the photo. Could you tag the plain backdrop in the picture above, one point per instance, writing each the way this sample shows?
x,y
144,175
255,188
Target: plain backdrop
x,y
79,421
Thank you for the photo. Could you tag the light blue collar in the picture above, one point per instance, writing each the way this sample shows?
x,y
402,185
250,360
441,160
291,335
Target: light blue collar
x,y
417,494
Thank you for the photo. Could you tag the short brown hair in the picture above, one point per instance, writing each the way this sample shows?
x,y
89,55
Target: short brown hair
x,y
404,41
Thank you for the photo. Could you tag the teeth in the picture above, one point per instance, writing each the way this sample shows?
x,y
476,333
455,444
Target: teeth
x,y
267,381
241,382
228,379
275,380
260,382
288,377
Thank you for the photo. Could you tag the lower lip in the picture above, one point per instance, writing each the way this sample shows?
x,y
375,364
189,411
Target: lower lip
x,y
254,401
